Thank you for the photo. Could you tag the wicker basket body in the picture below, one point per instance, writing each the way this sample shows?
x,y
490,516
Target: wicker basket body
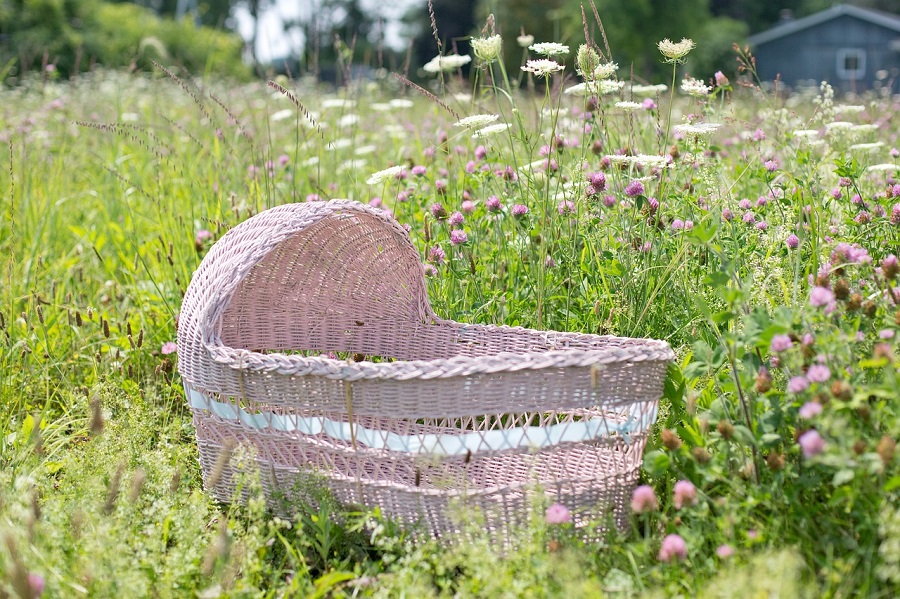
x,y
439,414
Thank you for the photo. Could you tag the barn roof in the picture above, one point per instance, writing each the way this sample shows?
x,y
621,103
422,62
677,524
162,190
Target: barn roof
x,y
790,27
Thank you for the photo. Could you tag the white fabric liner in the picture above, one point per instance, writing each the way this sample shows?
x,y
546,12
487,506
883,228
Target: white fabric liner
x,y
536,437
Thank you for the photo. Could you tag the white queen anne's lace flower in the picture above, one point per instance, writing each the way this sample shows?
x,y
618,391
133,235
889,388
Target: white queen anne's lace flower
x,y
385,175
490,130
698,130
450,62
694,87
476,121
525,40
487,48
542,67
549,49
605,70
675,51
629,105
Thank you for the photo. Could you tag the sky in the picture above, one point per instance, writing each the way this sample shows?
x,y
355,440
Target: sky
x,y
274,43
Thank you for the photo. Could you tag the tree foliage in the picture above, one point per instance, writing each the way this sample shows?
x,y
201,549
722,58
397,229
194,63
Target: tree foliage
x,y
74,35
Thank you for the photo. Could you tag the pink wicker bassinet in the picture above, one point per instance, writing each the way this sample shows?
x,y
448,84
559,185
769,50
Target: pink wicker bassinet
x,y
438,413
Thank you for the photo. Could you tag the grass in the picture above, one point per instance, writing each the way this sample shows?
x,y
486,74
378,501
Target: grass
x,y
117,185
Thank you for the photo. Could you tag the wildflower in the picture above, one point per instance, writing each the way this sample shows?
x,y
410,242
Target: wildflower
x,y
818,373
458,237
771,166
384,175
797,384
549,49
490,130
436,254
648,104
525,40
810,410
749,218
468,206
438,211
35,580
542,68
648,90
673,51
673,546
629,105
476,121
634,188
821,296
727,214
605,70
721,80
781,343
598,181
558,514
677,224
519,210
430,270
566,207
762,225
169,347
375,202
812,443
643,499
201,238
895,215
696,131
895,152
587,60
487,48
456,218
480,152
792,241
493,203
684,493
449,62
694,87
890,266
724,551
419,170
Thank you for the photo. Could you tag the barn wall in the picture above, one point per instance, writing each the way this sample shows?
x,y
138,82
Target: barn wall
x,y
811,54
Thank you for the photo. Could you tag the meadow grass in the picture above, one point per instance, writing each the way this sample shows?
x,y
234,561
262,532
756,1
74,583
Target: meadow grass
x,y
756,234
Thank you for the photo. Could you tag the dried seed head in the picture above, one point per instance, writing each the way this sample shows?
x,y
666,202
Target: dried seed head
x,y
763,381
105,326
96,416
112,492
842,390
886,449
842,289
670,439
137,484
725,428
175,483
859,447
870,308
775,461
701,455
855,302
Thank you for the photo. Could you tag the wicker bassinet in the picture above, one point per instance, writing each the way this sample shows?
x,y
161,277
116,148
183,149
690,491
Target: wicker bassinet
x,y
438,413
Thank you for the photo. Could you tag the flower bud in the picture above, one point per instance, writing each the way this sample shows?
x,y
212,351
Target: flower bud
x,y
587,60
670,439
725,428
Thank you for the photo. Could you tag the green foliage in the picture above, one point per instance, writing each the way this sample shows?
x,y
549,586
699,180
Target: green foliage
x,y
743,246
74,36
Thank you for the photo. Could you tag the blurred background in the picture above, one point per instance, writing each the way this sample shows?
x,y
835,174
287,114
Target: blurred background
x,y
332,40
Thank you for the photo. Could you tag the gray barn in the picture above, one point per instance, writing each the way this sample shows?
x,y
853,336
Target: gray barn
x,y
853,48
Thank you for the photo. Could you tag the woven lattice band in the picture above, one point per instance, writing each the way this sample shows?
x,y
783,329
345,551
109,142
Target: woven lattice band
x,y
279,305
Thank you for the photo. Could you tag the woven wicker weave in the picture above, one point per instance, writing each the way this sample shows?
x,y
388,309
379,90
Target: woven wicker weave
x,y
440,411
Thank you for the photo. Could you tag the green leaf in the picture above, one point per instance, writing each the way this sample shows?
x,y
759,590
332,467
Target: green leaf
x,y
657,463
842,477
893,483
